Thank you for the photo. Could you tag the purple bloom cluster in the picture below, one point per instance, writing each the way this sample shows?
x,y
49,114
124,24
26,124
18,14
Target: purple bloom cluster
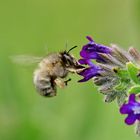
x,y
115,72
132,108
91,51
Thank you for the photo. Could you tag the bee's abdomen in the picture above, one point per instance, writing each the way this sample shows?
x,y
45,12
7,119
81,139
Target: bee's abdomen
x,y
45,85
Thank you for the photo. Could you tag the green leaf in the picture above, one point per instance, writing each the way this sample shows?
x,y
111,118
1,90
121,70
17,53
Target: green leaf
x,y
121,86
122,74
133,72
135,89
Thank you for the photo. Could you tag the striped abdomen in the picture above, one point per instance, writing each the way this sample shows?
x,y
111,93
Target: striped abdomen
x,y
44,84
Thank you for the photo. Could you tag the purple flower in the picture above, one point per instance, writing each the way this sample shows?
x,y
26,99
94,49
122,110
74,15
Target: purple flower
x,y
92,50
132,108
90,72
86,62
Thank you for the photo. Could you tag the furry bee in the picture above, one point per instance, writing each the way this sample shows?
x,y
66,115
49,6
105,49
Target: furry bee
x,y
52,71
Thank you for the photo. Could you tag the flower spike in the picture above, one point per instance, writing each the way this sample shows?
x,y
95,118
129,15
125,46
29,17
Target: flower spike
x,y
116,73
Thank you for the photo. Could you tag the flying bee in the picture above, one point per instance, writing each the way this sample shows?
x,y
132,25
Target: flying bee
x,y
52,71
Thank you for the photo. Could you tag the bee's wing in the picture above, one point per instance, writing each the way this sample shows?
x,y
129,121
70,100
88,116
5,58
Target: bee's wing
x,y
25,59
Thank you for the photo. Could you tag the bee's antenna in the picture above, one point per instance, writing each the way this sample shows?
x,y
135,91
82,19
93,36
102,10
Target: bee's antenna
x,y
72,48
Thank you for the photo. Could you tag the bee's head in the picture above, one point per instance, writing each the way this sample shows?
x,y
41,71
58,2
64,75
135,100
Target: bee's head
x,y
68,59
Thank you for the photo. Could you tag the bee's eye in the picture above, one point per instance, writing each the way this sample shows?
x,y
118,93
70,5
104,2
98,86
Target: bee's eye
x,y
67,59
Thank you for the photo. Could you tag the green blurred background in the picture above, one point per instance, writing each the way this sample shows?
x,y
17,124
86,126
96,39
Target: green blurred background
x,y
40,26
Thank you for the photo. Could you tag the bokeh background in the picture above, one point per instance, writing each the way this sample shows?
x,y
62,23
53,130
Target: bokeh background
x,y
36,27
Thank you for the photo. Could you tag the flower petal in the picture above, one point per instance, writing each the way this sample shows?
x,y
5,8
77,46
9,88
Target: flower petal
x,y
89,38
131,118
91,55
138,117
88,73
93,47
126,109
88,54
92,50
86,78
86,62
132,98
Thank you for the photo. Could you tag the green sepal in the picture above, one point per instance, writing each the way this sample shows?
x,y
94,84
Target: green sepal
x,y
121,86
135,89
123,78
133,72
121,73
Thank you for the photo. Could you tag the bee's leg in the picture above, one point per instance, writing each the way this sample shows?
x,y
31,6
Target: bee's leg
x,y
66,82
73,70
60,82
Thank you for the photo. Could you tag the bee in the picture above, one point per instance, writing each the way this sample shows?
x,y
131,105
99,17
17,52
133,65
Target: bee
x,y
52,71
